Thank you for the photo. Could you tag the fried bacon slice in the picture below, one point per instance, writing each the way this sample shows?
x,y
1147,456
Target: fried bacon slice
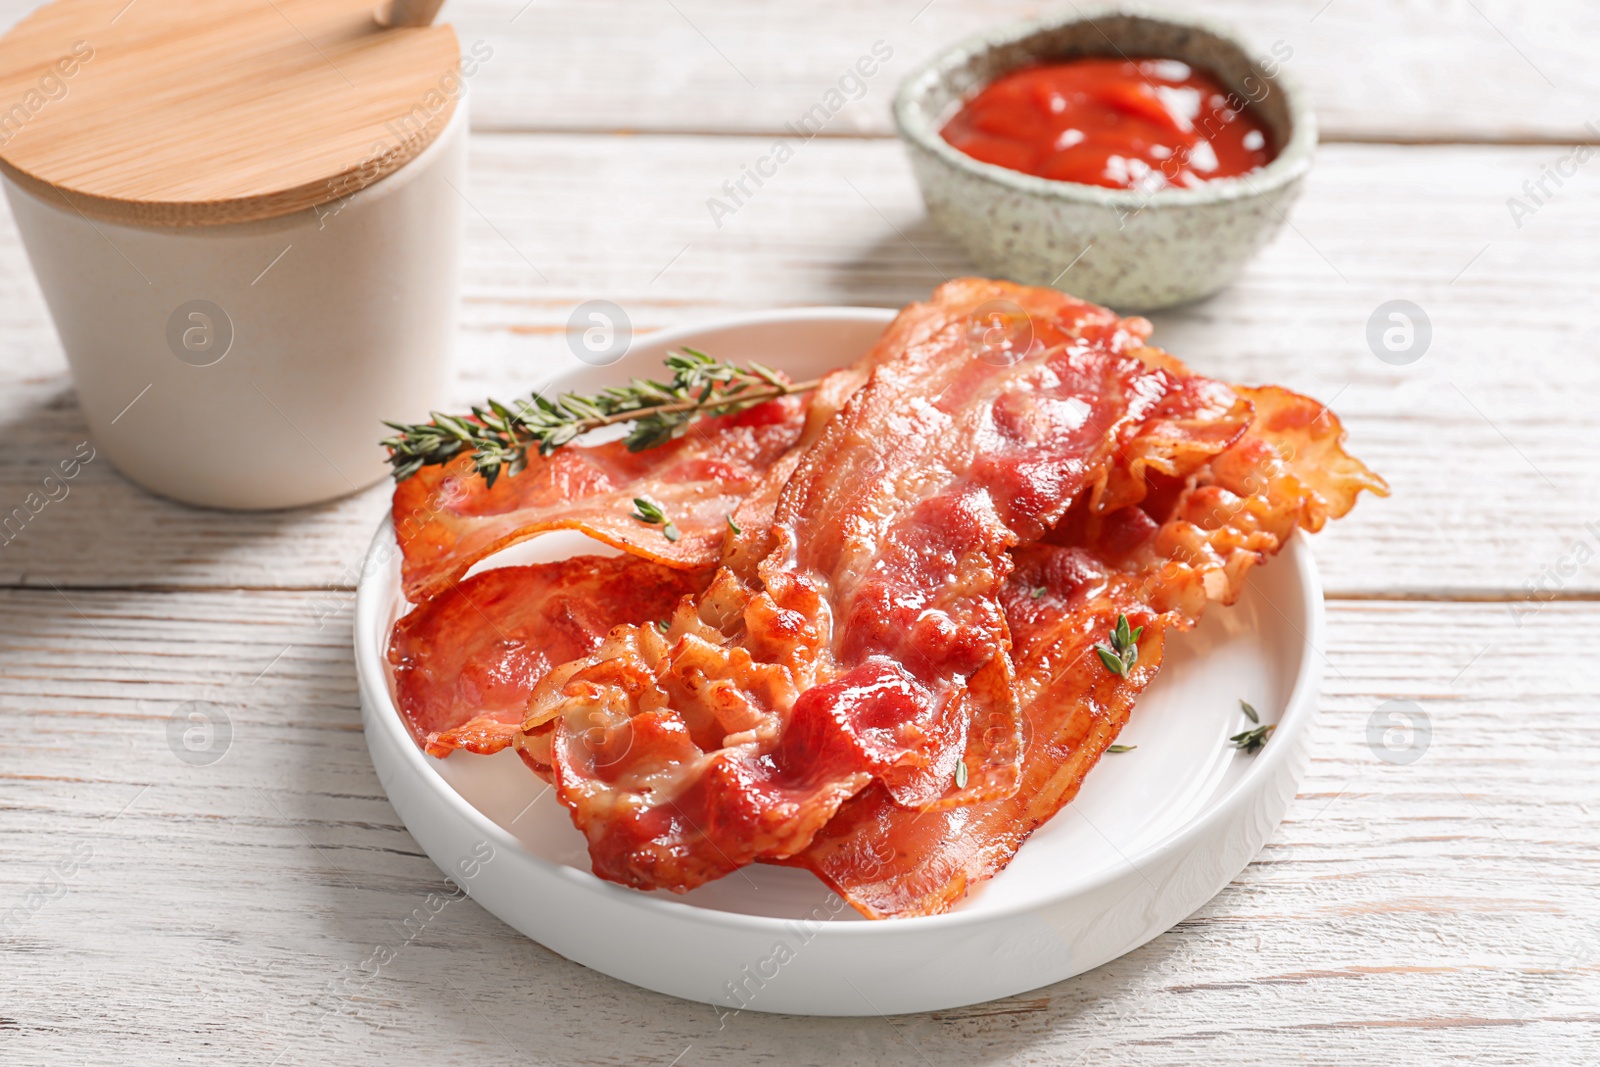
x,y
1158,550
465,662
871,642
888,861
468,659
446,518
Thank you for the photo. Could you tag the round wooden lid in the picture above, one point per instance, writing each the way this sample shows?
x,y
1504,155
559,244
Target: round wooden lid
x,y
182,112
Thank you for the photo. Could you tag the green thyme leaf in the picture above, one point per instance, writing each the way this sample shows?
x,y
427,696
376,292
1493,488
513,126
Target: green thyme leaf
x,y
1038,592
1122,652
1113,662
734,526
1122,748
648,512
1249,712
1252,741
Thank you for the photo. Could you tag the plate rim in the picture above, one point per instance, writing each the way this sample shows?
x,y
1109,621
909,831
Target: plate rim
x,y
1295,719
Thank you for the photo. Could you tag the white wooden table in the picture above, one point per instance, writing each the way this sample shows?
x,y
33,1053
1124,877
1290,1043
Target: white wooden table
x,y
1430,898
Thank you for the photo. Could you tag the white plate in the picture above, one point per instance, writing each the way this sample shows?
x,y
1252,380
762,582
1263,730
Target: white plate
x,y
1153,835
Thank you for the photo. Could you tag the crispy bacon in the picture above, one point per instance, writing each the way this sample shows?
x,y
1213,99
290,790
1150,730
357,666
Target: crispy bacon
x,y
1158,554
745,549
447,519
889,861
873,644
1194,541
876,622
466,661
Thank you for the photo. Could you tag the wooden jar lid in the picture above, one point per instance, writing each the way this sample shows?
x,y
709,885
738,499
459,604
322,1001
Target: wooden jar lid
x,y
195,112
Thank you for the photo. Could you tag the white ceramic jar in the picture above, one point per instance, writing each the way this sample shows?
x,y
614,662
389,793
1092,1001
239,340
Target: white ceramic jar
x,y
247,229
250,365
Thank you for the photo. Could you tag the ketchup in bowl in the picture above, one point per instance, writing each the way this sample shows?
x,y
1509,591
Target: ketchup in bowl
x,y
1143,124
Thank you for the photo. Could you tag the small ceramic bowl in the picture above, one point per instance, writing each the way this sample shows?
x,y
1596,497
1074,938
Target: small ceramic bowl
x,y
1133,250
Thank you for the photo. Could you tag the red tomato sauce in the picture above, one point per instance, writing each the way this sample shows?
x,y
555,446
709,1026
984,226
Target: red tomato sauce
x,y
1124,123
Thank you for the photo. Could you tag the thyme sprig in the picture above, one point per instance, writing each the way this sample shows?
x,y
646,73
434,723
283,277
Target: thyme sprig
x,y
499,436
1122,652
1252,741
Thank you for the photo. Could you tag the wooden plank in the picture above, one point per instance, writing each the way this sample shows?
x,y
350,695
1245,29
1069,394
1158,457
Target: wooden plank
x,y
1418,69
1375,69
1485,438
1426,912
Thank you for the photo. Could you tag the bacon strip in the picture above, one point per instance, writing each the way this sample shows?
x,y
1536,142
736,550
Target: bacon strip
x,y
466,661
1158,558
893,531
888,861
447,519
469,658
873,644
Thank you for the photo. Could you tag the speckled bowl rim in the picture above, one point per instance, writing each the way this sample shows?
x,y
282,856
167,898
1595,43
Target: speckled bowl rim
x,y
916,127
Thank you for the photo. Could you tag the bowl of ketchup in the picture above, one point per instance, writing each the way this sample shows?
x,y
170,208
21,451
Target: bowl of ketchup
x,y
1131,158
